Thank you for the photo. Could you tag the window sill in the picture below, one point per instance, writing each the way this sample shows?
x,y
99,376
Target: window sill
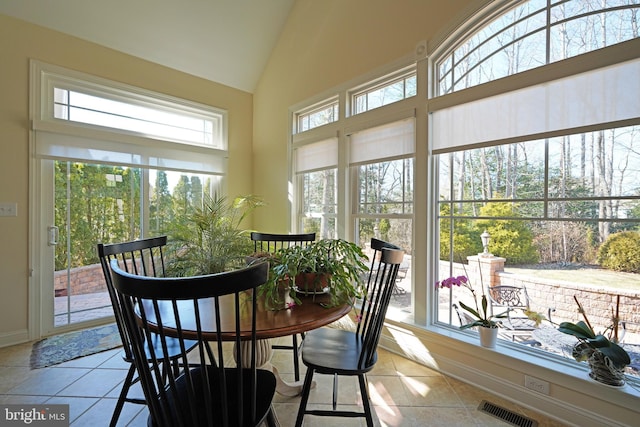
x,y
573,397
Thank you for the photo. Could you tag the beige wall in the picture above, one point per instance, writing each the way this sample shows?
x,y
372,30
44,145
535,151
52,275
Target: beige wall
x,y
20,42
324,44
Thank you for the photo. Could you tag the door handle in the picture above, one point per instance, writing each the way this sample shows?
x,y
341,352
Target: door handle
x,y
52,232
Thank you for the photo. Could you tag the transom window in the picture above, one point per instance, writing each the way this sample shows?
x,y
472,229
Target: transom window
x,y
381,92
99,110
85,118
128,110
535,33
320,114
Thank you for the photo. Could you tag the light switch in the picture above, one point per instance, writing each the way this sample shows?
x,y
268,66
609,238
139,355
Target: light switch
x,y
8,209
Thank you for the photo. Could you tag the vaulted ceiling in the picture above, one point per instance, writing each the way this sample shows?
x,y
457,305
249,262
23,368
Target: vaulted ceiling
x,y
226,41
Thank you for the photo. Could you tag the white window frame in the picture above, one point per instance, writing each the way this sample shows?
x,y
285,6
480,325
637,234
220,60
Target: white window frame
x,y
613,56
64,139
447,348
464,38
345,126
381,83
331,103
57,139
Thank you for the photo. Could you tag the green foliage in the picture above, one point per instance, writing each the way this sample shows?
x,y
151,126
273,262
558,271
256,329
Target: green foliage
x,y
211,239
340,260
621,252
466,241
93,203
510,238
466,236
634,212
161,206
482,316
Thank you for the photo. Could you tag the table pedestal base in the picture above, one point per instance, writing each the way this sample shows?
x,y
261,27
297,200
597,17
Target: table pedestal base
x,y
263,361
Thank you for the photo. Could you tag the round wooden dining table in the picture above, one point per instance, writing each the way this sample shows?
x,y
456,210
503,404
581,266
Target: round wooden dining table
x,y
285,320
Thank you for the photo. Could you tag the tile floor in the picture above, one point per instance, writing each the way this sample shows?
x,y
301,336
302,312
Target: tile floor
x,y
403,393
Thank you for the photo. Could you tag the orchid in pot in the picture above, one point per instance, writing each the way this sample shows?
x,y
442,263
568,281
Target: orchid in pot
x,y
606,358
479,315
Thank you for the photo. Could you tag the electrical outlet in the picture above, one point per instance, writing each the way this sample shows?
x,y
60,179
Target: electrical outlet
x,y
8,209
536,384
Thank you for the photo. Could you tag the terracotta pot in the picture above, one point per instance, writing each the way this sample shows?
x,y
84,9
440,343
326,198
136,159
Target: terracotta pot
x,y
488,336
312,282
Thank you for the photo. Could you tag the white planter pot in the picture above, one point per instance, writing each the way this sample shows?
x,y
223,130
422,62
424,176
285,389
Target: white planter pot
x,y
488,336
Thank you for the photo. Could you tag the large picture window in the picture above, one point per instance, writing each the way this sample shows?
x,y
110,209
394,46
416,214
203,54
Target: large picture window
x,y
530,148
536,184
548,206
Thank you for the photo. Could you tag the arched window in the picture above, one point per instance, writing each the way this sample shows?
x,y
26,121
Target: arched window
x,y
541,152
533,34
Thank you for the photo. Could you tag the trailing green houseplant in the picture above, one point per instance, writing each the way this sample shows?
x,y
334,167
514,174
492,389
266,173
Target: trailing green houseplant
x,y
335,266
211,239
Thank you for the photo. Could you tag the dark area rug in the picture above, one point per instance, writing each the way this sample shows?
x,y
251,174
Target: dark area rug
x,y
71,345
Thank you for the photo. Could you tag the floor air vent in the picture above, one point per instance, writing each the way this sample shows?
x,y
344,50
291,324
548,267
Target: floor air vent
x,y
506,415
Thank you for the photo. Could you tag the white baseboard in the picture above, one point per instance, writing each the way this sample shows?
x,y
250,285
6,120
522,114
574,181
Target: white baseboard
x,y
14,337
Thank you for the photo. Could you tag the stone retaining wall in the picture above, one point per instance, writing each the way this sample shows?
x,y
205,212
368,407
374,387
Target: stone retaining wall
x,y
83,280
599,303
544,294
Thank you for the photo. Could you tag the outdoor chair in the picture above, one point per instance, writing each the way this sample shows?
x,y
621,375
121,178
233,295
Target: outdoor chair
x,y
142,257
402,274
227,390
513,300
271,243
339,352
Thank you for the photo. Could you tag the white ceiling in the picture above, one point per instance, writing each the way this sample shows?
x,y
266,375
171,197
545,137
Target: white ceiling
x,y
226,41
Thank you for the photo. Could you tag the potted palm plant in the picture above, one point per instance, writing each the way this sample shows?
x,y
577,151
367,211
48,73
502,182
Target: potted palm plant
x,y
211,239
333,266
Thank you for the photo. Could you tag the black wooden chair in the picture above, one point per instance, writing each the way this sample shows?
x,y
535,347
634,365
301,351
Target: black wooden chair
x,y
145,258
270,243
210,392
353,353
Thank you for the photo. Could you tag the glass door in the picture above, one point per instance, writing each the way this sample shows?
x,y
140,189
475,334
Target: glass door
x,y
93,203
84,204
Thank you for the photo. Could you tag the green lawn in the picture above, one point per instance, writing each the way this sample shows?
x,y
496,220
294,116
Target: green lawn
x,y
589,274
